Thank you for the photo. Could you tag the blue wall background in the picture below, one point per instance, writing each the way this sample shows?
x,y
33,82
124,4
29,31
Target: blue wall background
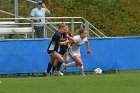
x,y
27,56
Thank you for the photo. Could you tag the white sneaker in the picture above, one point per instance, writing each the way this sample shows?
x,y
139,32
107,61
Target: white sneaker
x,y
63,67
83,74
60,73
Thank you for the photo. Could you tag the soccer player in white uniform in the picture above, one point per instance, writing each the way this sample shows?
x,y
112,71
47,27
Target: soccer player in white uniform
x,y
74,52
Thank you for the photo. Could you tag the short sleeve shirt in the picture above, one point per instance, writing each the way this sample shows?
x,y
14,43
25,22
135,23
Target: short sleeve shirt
x,y
38,13
76,47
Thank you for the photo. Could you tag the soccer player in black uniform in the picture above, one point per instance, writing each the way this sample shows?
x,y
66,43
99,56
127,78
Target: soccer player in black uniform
x,y
53,48
63,50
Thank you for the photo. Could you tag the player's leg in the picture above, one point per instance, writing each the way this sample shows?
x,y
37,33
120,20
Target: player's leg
x,y
60,59
50,64
79,63
67,57
57,56
54,66
53,56
72,64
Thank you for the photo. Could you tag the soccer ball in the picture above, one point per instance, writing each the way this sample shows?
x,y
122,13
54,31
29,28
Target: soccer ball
x,y
98,71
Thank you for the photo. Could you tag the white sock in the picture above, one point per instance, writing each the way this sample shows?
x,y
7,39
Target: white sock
x,y
81,68
72,64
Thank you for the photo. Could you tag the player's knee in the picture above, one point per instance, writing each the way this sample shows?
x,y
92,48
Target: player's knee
x,y
61,60
55,64
51,61
80,64
66,62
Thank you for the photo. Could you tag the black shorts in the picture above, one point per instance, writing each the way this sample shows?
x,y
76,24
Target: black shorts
x,y
62,52
50,52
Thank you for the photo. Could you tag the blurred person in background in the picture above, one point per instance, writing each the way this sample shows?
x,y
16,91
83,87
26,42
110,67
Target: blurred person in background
x,y
38,21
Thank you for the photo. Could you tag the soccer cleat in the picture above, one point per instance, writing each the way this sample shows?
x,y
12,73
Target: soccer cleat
x,y
63,67
60,73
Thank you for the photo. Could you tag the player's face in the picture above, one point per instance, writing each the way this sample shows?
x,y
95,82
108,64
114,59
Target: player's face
x,y
84,34
39,5
64,30
67,29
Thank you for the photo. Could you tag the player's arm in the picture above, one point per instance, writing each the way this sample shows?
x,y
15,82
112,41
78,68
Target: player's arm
x,y
88,47
68,44
72,39
56,38
36,19
47,10
63,43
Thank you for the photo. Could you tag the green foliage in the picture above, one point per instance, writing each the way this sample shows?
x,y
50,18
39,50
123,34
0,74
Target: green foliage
x,y
113,17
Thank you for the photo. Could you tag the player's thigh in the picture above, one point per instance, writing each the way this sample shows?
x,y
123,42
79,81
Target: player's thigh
x,y
55,63
78,60
57,56
52,60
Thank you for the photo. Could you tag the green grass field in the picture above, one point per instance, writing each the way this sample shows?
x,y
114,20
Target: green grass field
x,y
106,83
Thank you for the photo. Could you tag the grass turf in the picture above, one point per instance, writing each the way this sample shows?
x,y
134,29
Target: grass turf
x,y
107,83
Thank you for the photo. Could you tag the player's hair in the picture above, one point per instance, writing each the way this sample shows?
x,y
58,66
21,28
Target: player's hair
x,y
62,25
80,31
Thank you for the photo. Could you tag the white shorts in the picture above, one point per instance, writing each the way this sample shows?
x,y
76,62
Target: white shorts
x,y
73,53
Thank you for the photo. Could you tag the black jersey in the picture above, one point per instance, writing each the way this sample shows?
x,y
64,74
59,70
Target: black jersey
x,y
54,42
63,48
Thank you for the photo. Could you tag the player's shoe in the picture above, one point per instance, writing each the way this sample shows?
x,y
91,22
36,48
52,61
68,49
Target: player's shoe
x,y
60,73
83,74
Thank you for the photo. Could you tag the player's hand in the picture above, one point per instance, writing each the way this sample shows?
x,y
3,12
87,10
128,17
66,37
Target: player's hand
x,y
37,20
67,35
43,5
89,52
67,41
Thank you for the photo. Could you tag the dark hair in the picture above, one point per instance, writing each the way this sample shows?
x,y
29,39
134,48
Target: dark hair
x,y
80,31
62,25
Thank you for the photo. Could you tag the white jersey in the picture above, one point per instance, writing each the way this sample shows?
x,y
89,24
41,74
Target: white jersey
x,y
76,47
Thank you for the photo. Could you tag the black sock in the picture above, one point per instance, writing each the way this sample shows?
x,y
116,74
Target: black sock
x,y
53,68
58,65
49,67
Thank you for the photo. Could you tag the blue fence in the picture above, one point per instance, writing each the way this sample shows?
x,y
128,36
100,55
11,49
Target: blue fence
x,y
28,56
